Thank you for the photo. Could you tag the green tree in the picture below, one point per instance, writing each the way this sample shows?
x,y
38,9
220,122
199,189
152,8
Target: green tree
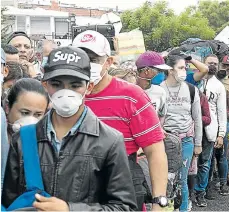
x,y
6,23
163,29
216,12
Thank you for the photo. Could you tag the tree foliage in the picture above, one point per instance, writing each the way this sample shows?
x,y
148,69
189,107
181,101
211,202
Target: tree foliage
x,y
163,29
6,23
216,12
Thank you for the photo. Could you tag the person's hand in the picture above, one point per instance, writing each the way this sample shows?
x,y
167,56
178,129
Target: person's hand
x,y
197,150
50,204
157,207
164,54
30,68
185,56
219,142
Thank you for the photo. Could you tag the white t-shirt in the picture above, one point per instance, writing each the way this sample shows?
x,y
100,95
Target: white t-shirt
x,y
157,95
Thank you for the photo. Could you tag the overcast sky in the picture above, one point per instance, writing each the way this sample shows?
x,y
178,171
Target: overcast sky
x,y
177,5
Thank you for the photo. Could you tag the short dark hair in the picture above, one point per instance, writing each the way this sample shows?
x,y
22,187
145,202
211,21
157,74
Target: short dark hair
x,y
211,55
16,34
9,49
25,85
16,71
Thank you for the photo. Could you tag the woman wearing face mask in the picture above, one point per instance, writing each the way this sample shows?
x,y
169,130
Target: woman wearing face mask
x,y
26,103
183,118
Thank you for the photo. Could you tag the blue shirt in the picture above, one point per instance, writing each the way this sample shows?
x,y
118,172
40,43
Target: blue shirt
x,y
190,79
52,134
4,144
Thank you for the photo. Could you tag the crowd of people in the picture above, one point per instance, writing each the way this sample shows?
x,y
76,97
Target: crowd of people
x,y
82,132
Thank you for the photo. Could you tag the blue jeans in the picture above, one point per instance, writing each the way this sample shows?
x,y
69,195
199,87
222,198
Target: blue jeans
x,y
187,153
221,158
204,164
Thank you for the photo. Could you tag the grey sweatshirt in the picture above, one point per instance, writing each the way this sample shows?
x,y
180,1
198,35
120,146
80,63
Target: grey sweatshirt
x,y
181,114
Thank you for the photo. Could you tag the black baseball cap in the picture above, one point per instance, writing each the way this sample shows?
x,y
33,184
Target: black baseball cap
x,y
68,61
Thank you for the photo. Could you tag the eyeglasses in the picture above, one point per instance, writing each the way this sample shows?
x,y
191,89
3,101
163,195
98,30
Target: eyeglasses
x,y
151,68
131,73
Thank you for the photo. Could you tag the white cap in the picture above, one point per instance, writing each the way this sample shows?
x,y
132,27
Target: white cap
x,y
93,41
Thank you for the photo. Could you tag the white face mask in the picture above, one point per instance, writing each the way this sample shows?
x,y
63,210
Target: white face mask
x,y
180,76
23,122
95,73
66,102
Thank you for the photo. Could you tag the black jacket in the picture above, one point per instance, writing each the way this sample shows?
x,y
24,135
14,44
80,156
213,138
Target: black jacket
x,y
91,172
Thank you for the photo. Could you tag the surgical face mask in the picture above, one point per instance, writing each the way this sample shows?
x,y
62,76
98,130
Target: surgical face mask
x,y
180,76
95,73
67,102
23,122
44,61
158,79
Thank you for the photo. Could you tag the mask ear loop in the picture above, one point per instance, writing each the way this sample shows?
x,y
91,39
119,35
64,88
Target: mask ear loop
x,y
106,69
86,90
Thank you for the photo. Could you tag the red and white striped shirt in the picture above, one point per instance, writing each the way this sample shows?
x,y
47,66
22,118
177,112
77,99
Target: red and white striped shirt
x,y
128,109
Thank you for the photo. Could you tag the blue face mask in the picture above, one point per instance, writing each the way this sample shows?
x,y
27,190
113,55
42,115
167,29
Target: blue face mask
x,y
158,79
44,61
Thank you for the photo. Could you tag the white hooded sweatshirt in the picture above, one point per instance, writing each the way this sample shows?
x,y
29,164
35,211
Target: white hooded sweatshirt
x,y
216,94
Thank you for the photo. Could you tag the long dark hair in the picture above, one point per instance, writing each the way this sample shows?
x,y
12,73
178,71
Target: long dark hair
x,y
25,85
172,60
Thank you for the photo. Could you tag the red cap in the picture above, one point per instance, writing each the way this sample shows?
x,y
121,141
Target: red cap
x,y
226,60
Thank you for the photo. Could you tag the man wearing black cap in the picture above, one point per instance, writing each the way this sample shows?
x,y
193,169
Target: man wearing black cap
x,y
23,43
83,161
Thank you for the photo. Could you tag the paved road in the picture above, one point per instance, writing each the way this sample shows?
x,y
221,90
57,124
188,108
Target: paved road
x,y
220,204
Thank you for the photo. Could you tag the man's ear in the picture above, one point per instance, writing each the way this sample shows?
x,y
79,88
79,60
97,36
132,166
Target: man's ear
x,y
5,71
44,83
109,62
90,88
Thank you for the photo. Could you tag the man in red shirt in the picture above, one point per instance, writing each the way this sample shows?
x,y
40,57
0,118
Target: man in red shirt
x,y
128,109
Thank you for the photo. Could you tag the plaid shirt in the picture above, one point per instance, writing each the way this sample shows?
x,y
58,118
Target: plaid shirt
x,y
52,134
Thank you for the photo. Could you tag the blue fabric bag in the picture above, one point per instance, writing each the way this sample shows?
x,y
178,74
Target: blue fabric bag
x,y
33,176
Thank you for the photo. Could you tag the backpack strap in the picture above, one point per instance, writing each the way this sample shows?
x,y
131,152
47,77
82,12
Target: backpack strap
x,y
31,159
191,91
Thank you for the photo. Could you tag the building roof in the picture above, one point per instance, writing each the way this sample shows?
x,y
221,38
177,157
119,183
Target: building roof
x,y
35,12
